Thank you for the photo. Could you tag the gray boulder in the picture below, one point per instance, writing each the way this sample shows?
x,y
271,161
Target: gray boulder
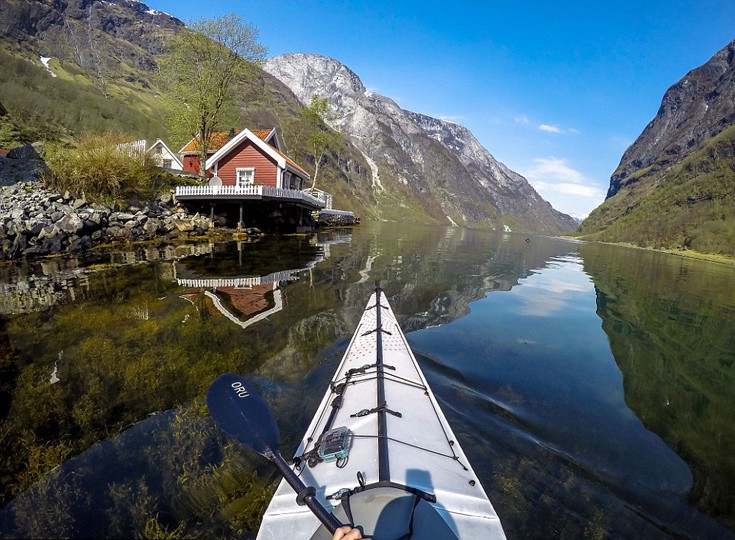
x,y
27,152
70,224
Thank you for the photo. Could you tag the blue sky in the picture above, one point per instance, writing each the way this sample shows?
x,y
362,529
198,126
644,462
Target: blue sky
x,y
555,90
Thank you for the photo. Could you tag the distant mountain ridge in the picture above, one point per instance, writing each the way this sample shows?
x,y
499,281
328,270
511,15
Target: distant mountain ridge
x,y
437,165
675,184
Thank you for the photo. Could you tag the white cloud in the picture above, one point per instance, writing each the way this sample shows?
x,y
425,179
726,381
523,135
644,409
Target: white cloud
x,y
564,187
522,120
577,190
553,167
550,129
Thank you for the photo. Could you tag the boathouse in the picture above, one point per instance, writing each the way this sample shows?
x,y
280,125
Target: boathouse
x,y
248,174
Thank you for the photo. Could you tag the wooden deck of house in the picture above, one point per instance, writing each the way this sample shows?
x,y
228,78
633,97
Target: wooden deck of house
x,y
248,193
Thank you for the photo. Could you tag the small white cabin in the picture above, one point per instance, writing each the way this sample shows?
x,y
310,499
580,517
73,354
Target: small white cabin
x,y
164,157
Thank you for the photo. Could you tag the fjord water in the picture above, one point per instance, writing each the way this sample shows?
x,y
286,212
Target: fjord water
x,y
591,386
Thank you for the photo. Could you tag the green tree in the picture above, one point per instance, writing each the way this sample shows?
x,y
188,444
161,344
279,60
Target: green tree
x,y
200,72
320,136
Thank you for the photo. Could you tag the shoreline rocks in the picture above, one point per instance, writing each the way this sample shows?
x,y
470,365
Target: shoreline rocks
x,y
328,218
37,222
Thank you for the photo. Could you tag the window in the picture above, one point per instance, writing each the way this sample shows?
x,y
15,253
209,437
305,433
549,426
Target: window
x,y
245,176
166,163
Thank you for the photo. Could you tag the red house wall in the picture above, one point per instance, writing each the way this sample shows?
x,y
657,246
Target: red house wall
x,y
191,164
247,155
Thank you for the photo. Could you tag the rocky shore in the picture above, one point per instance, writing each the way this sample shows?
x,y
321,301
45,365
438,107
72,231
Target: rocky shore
x,y
37,222
337,218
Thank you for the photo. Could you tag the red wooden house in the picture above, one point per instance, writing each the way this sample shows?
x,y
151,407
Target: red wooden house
x,y
248,168
255,158
246,158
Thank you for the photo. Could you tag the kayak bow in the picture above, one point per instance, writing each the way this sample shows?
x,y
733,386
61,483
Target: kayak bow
x,y
380,453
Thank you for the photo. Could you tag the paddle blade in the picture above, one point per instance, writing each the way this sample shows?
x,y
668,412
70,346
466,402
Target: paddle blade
x,y
243,414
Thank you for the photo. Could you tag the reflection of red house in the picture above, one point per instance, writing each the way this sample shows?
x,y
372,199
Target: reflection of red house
x,y
243,306
249,302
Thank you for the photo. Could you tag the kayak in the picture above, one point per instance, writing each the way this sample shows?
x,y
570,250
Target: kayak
x,y
379,452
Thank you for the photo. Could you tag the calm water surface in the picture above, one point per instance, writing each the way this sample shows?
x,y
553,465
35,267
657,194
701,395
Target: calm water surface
x,y
591,386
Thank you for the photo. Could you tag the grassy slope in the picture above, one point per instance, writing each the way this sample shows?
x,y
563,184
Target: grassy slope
x,y
46,108
688,206
51,108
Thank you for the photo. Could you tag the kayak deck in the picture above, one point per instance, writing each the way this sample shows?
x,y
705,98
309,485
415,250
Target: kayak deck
x,y
405,474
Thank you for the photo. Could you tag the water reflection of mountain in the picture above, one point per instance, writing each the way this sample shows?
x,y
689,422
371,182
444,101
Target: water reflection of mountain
x,y
671,326
432,275
243,281
132,346
31,286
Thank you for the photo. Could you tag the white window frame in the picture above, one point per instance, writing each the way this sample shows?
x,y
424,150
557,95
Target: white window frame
x,y
244,176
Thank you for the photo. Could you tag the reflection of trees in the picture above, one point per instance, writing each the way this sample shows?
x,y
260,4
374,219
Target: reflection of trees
x,y
671,326
132,346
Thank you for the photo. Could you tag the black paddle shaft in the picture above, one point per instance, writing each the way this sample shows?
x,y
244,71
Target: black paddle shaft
x,y
243,414
305,495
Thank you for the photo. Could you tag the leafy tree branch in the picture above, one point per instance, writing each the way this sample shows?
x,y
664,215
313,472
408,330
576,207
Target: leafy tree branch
x,y
321,138
200,73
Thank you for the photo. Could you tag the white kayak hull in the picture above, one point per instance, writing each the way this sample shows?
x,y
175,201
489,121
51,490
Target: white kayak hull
x,y
405,475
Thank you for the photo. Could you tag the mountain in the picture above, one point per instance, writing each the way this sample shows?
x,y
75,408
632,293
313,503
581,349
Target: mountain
x,y
418,162
87,66
82,65
674,186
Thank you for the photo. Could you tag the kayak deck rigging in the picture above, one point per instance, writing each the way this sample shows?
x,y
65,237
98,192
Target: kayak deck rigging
x,y
404,475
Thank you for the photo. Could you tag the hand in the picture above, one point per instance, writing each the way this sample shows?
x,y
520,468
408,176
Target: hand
x,y
347,533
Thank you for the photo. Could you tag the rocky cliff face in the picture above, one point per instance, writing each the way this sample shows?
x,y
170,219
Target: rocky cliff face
x,y
674,185
699,106
418,160
107,39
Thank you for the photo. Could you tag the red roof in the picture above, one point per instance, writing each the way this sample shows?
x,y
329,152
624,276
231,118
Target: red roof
x,y
262,134
216,141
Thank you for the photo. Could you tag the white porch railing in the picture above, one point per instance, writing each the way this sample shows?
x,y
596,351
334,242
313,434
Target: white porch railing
x,y
253,190
240,282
